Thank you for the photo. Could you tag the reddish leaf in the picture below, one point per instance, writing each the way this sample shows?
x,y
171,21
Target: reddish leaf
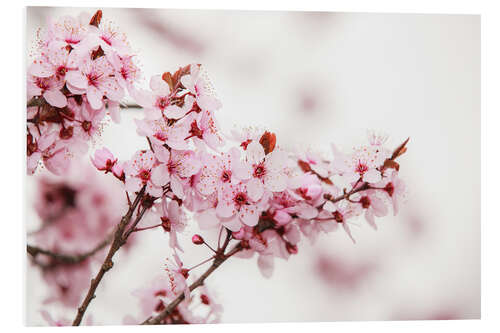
x,y
390,164
96,19
97,53
268,141
400,150
167,77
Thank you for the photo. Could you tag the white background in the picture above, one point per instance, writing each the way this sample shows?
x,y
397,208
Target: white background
x,y
489,291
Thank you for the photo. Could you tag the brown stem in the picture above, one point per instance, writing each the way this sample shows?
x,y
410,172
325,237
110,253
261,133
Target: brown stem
x,y
118,241
68,259
199,282
363,187
40,101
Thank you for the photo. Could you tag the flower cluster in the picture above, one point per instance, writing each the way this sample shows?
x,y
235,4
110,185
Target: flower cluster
x,y
200,308
266,197
243,185
82,69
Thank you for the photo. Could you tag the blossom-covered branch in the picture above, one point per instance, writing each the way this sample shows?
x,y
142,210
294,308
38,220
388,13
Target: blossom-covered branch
x,y
242,183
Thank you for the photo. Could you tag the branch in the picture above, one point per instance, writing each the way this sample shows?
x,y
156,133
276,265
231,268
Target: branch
x,y
68,259
199,282
156,320
40,101
118,241
346,195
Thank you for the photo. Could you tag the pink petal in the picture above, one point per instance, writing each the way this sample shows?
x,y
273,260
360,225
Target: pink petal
x,y
76,79
207,219
266,265
94,96
225,208
372,176
55,98
255,189
255,152
160,175
249,215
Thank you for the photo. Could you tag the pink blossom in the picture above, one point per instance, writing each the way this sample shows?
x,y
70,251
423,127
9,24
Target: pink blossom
x,y
138,173
201,89
68,29
266,171
394,188
96,79
49,88
219,170
174,220
238,204
177,276
160,132
205,129
104,160
177,166
372,205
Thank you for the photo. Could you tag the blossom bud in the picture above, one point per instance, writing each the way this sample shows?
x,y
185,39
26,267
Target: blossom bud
x,y
197,239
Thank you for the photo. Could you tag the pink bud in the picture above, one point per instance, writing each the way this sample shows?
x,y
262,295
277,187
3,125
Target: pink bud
x,y
103,160
118,171
197,239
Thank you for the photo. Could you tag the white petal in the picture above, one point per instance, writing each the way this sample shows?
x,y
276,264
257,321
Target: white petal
x,y
372,176
160,175
255,152
55,98
266,265
255,189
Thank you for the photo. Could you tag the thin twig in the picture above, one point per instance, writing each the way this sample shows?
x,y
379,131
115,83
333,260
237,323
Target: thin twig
x,y
199,282
108,262
40,101
68,258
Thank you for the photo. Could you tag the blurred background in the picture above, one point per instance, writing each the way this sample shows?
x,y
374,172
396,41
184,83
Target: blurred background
x,y
315,78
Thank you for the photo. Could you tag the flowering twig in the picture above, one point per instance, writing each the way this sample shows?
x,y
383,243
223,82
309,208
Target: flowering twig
x,y
118,241
199,282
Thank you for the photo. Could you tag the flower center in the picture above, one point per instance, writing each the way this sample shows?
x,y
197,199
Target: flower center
x,y
338,216
92,79
365,201
61,71
145,175
259,171
389,188
240,198
361,168
166,224
86,125
226,176
162,103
